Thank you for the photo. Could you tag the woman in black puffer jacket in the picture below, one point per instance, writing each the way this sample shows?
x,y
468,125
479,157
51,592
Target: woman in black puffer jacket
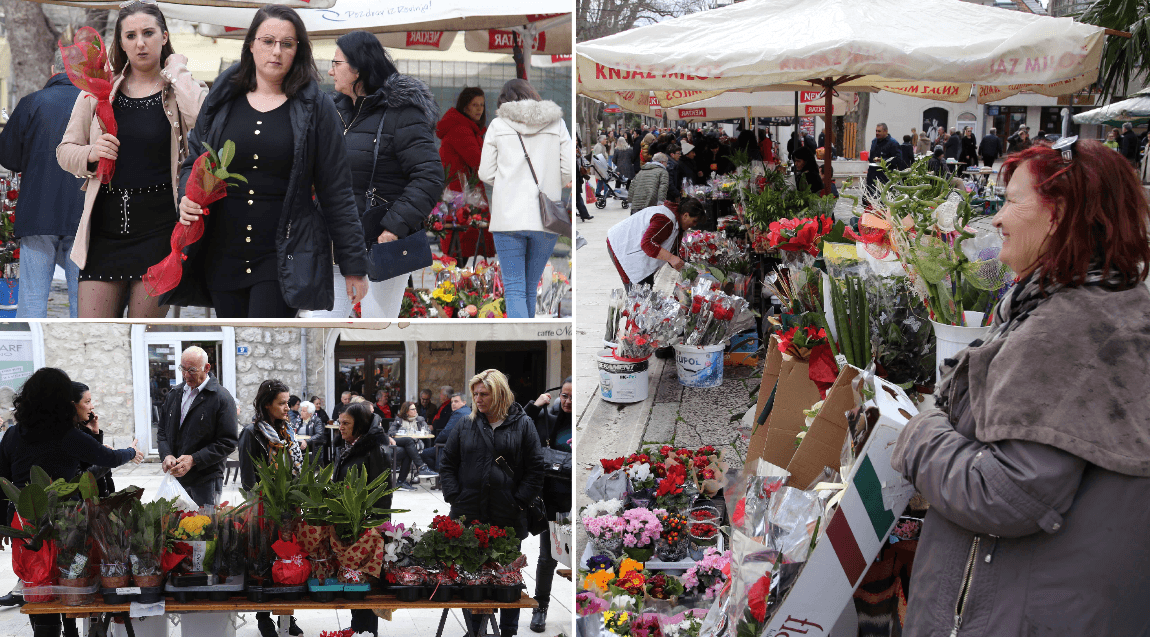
x,y
492,467
363,442
408,172
553,424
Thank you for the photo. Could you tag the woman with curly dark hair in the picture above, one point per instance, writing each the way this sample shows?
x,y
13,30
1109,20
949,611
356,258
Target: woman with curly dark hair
x,y
46,436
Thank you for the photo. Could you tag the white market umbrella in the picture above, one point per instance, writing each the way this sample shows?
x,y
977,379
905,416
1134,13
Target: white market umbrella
x,y
114,5
554,41
890,45
384,17
1135,110
733,105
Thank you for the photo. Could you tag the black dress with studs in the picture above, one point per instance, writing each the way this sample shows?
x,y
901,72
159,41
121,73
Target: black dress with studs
x,y
133,216
241,238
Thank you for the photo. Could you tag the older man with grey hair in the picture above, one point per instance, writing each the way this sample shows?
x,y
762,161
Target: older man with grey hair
x,y
649,187
1128,144
197,429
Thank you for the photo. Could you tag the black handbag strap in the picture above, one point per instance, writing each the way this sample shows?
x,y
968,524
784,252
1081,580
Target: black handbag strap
x,y
529,165
375,158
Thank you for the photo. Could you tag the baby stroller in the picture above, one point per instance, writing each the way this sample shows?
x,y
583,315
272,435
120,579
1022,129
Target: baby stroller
x,y
603,171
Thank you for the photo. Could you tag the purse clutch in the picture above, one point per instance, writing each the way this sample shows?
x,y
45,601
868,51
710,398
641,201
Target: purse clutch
x,y
394,258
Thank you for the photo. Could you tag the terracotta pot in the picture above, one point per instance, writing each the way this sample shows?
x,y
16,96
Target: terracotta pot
x,y
120,581
76,599
148,581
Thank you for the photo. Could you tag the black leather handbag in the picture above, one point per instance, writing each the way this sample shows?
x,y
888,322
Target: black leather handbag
x,y
557,464
394,258
536,511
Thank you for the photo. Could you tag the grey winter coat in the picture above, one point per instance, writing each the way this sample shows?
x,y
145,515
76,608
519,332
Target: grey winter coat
x,y
623,162
319,211
649,188
1039,478
409,173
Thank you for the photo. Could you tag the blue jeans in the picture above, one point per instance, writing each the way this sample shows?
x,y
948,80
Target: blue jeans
x,y
601,186
39,256
522,257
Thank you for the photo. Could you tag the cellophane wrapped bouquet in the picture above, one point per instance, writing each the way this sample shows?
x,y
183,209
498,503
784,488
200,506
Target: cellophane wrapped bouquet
x,y
652,321
713,317
773,531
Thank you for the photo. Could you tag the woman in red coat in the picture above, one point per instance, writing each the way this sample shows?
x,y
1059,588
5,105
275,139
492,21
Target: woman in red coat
x,y
462,129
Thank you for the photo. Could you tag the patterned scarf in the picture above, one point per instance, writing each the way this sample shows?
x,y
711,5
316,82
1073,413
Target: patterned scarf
x,y
276,440
1014,308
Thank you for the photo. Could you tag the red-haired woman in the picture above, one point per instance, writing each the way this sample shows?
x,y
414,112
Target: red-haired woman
x,y
1036,461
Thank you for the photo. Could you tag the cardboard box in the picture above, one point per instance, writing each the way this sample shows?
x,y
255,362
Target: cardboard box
x,y
794,392
561,544
822,446
770,373
875,498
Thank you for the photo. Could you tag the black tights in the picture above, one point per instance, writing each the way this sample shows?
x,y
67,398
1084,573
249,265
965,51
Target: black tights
x,y
262,300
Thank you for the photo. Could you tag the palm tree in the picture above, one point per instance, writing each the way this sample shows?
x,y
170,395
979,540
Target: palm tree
x,y
1123,58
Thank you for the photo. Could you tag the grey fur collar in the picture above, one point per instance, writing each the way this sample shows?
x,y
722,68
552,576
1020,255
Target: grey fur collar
x,y
405,90
531,113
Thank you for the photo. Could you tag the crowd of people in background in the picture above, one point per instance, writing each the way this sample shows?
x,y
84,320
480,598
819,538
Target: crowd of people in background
x,y
200,426
344,173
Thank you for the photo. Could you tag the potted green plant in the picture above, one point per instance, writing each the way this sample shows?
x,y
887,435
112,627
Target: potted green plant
x,y
146,542
315,532
508,562
35,544
443,549
354,516
74,535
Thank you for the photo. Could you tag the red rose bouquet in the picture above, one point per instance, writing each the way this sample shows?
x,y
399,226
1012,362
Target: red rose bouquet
x,y
206,185
86,63
800,235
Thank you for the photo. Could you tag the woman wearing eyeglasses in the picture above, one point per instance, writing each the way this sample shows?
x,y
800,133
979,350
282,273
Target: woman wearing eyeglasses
x,y
1036,459
553,424
408,177
267,250
127,223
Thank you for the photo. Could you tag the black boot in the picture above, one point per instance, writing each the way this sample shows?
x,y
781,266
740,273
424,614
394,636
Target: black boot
x,y
266,625
539,619
12,599
293,629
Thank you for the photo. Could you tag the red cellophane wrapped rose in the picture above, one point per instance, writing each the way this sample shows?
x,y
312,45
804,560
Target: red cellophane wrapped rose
x,y
35,568
292,567
204,188
86,63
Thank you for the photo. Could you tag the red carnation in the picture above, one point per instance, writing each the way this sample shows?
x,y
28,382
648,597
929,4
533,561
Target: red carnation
x,y
757,598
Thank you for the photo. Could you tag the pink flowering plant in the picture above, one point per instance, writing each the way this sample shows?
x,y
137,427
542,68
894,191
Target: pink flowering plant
x,y
709,575
588,603
605,527
642,527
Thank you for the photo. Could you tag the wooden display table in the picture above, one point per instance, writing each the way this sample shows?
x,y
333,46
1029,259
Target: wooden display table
x,y
285,608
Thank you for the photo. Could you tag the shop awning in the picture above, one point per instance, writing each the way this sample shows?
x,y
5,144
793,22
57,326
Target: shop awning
x,y
889,45
1135,110
459,331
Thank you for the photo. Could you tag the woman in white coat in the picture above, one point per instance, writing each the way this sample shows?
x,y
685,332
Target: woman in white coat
x,y
520,240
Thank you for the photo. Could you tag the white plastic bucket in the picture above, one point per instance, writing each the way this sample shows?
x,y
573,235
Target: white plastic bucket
x,y
622,381
950,340
699,366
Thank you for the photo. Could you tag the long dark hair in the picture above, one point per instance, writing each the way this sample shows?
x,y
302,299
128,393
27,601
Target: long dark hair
x,y
118,57
44,407
303,70
362,416
465,96
267,393
366,56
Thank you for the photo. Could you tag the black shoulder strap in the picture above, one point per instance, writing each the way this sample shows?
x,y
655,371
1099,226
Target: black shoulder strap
x,y
375,155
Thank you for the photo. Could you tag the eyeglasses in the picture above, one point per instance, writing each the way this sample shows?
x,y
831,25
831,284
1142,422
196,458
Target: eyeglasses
x,y
1066,147
190,370
338,62
269,43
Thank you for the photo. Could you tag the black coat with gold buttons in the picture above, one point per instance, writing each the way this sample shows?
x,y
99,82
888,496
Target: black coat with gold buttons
x,y
319,216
